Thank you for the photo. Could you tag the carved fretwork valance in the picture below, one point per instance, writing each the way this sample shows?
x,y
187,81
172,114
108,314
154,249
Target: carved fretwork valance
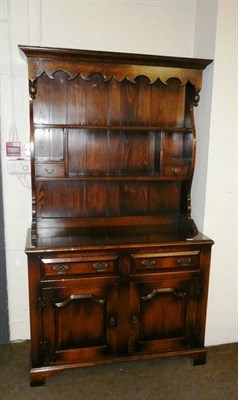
x,y
116,66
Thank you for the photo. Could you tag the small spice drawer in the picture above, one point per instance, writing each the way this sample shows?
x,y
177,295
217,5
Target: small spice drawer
x,y
68,267
143,263
52,170
176,169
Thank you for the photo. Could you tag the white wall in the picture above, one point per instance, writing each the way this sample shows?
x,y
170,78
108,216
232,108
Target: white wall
x,y
16,198
133,26
156,27
220,212
204,47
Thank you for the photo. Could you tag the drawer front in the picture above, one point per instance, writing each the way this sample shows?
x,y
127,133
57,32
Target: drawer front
x,y
176,170
50,170
68,267
144,263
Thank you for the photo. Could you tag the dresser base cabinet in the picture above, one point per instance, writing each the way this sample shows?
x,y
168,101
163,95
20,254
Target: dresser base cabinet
x,y
116,302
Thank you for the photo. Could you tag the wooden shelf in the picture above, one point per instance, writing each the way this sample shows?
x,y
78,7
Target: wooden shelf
x,y
116,128
125,178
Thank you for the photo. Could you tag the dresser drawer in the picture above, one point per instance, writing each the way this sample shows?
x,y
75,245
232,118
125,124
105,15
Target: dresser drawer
x,y
68,267
143,263
53,170
176,169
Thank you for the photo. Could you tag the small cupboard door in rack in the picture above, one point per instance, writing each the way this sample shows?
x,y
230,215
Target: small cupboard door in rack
x,y
163,314
79,322
50,152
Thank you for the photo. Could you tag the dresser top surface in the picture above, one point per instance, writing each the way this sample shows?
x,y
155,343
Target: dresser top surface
x,y
117,238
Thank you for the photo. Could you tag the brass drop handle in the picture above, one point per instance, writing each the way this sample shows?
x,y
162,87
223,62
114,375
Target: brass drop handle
x,y
176,170
148,263
60,268
49,172
112,321
134,319
184,261
100,266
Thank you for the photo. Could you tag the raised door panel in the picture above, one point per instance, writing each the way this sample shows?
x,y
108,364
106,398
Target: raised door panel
x,y
79,323
163,315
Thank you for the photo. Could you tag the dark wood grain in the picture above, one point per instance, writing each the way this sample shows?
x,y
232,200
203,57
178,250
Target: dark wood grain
x,y
117,269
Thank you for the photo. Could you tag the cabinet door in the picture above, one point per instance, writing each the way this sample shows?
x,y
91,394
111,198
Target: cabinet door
x,y
79,322
163,315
